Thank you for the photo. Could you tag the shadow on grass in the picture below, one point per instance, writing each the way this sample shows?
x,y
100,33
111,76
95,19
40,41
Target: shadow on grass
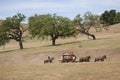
x,y
6,51
67,43
61,44
74,42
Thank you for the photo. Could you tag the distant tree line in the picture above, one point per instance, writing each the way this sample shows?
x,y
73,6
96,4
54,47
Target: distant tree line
x,y
47,26
110,17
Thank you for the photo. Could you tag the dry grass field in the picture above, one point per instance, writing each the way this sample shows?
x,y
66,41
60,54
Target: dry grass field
x,y
27,64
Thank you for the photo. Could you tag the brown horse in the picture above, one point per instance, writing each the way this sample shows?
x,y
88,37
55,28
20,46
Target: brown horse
x,y
68,58
49,60
100,58
85,59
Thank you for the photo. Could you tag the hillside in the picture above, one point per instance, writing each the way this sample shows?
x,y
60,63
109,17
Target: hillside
x,y
36,50
27,64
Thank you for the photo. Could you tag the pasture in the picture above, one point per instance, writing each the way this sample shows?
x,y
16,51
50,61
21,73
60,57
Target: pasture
x,y
27,64
66,71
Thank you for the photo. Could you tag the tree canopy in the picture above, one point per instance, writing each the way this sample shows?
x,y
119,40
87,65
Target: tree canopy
x,y
53,26
86,22
47,26
11,29
110,17
3,36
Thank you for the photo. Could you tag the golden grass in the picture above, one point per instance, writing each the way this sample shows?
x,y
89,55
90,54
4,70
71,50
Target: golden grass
x,y
27,64
62,71
34,54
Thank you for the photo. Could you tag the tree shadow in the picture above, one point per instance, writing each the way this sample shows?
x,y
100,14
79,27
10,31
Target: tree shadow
x,y
67,43
73,42
6,51
60,44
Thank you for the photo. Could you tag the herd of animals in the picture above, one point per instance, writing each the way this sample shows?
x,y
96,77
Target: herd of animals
x,y
71,57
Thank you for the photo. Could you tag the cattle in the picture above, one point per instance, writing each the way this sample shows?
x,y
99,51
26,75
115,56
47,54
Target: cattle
x,y
100,58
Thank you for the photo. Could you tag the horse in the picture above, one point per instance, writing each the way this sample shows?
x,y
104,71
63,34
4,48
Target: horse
x,y
68,58
100,58
85,59
49,60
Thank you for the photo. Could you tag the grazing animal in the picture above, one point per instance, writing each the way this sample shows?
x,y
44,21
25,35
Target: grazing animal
x,y
100,58
85,59
49,60
68,58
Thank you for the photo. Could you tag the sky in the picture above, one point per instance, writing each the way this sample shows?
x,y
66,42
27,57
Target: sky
x,y
66,8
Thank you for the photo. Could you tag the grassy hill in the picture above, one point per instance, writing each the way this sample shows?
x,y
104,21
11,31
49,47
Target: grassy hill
x,y
27,64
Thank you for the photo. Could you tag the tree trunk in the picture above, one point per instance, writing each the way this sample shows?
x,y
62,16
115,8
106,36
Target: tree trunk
x,y
53,41
88,34
93,36
20,44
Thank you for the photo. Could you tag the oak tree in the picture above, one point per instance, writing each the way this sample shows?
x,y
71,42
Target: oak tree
x,y
53,26
11,29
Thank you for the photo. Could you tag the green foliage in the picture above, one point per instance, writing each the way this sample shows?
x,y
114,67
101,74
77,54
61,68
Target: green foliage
x,y
84,24
110,17
44,26
112,14
117,17
90,19
77,20
3,36
12,29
